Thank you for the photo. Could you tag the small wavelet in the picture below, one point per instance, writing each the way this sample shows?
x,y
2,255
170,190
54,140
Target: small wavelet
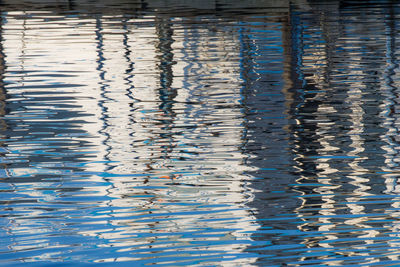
x,y
259,133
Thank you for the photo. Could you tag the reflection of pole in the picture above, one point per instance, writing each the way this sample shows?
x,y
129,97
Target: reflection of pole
x,y
128,78
104,117
128,72
167,95
103,88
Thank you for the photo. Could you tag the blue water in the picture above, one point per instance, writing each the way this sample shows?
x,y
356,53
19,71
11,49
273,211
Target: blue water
x,y
199,133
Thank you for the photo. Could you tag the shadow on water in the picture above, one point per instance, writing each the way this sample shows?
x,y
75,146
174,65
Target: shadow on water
x,y
199,132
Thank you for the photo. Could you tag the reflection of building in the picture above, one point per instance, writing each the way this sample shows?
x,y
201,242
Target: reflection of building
x,y
148,111
277,125
184,130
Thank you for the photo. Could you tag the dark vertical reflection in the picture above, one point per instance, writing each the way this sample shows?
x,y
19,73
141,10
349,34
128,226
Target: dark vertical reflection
x,y
3,107
267,135
337,105
167,93
103,87
310,85
390,114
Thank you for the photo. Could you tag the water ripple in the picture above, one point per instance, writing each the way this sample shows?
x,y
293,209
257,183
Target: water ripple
x,y
199,133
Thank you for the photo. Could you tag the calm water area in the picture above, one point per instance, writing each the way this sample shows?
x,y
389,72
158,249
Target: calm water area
x,y
199,133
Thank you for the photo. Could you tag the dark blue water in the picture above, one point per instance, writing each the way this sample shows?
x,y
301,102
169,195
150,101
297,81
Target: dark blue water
x,y
207,133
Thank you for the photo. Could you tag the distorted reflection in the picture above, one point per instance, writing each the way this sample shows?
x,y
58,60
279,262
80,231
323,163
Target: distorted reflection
x,y
235,133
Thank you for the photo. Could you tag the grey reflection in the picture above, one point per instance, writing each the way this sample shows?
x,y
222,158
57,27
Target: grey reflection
x,y
390,115
345,126
268,81
337,135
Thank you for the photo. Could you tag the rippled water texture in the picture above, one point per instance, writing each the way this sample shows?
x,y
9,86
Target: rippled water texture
x,y
233,133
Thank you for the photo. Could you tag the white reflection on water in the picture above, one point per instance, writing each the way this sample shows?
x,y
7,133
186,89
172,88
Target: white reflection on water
x,y
161,122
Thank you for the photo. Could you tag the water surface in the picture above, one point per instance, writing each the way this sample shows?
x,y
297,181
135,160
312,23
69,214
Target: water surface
x,y
199,133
